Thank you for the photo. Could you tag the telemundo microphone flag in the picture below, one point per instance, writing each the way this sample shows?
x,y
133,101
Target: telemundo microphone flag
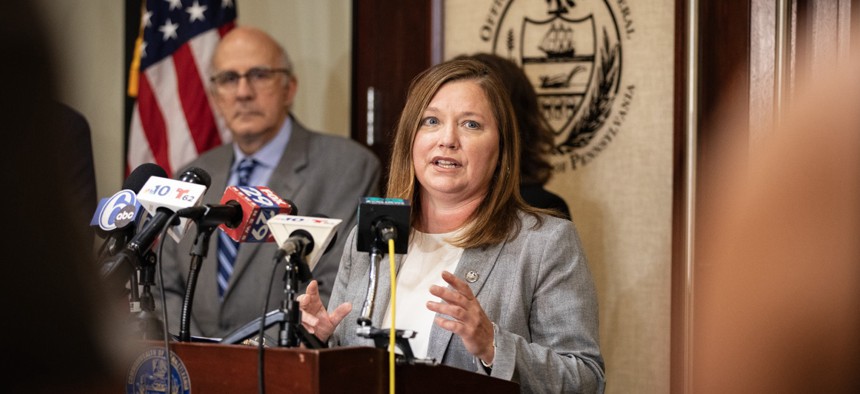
x,y
173,120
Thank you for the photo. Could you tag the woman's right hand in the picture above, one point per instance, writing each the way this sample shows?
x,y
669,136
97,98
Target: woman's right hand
x,y
315,318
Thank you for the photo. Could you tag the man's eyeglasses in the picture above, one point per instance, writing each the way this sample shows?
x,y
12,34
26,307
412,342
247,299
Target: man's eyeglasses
x,y
257,77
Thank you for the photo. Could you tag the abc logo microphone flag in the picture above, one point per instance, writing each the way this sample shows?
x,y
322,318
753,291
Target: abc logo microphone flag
x,y
172,194
259,203
117,211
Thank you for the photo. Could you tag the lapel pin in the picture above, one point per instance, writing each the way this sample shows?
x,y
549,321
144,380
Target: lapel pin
x,y
471,276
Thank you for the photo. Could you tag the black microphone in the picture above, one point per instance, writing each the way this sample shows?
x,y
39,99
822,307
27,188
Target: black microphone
x,y
307,237
242,209
242,212
117,217
146,237
229,214
166,196
379,221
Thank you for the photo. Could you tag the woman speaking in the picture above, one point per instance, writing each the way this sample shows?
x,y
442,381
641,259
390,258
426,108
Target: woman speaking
x,y
490,284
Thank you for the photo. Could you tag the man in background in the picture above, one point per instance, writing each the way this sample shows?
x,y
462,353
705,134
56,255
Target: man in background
x,y
253,86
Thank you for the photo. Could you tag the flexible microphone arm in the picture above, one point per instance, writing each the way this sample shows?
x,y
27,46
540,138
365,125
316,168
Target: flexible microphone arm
x,y
384,231
370,297
198,254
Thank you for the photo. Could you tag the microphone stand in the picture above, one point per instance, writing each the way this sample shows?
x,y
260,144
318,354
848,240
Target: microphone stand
x,y
198,252
365,327
288,316
291,331
373,278
143,304
141,264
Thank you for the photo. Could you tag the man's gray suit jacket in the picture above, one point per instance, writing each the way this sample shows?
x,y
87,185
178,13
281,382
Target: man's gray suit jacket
x,y
321,174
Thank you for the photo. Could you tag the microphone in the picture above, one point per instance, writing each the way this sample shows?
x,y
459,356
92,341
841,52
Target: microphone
x,y
306,236
379,221
115,213
161,197
242,213
116,217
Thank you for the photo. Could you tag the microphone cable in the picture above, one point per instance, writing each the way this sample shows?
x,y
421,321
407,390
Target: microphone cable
x,y
261,375
393,332
166,333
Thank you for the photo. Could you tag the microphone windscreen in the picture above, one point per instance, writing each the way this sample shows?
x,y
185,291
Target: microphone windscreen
x,y
294,210
373,211
196,175
121,210
259,203
141,174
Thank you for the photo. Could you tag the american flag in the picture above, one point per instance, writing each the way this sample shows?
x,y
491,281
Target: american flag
x,y
172,121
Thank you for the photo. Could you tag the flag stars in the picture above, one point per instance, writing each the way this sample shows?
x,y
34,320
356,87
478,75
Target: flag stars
x,y
174,4
196,11
168,29
226,3
147,19
143,49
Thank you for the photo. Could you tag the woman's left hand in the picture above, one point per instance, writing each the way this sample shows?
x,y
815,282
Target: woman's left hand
x,y
468,319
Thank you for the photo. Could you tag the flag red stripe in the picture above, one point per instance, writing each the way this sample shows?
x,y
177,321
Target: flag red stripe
x,y
173,122
153,125
192,95
225,28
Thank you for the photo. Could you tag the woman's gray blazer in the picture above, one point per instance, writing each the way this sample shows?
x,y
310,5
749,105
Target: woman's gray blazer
x,y
538,290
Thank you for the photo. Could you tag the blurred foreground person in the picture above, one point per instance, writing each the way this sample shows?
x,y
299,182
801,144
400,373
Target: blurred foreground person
x,y
58,333
778,275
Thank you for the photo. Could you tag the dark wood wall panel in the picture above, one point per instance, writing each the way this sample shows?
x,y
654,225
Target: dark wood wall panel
x,y
392,42
678,339
724,42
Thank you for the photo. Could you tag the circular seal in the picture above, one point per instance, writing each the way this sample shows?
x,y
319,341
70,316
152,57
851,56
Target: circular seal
x,y
571,53
149,374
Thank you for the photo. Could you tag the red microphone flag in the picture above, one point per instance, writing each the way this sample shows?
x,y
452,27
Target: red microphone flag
x,y
259,204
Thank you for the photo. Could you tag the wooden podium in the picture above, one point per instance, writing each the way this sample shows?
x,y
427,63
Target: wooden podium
x,y
217,368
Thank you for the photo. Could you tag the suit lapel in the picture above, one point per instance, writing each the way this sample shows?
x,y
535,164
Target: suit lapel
x,y
287,179
476,263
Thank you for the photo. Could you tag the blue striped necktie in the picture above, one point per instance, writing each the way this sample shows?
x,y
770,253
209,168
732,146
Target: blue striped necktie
x,y
227,248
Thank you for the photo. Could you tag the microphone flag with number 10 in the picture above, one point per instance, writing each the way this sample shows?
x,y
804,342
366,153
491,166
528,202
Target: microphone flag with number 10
x,y
171,194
